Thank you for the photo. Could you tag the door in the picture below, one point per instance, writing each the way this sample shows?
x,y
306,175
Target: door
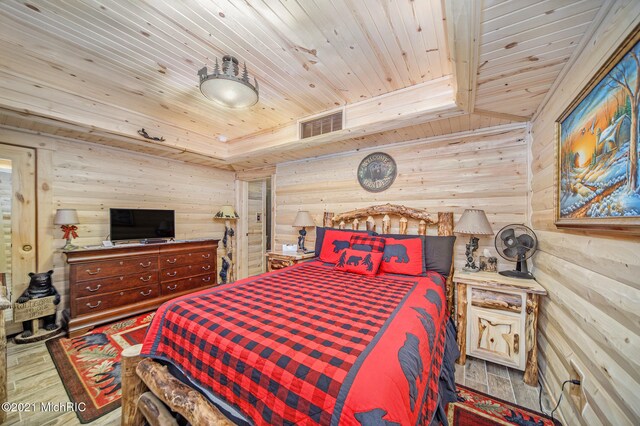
x,y
256,227
17,218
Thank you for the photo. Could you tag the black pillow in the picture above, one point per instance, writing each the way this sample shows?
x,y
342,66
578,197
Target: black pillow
x,y
320,236
438,251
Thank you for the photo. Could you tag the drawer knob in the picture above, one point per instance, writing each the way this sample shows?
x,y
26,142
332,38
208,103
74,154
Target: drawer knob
x,y
94,289
172,274
145,265
206,267
206,279
206,256
90,272
516,343
172,261
172,287
94,306
145,279
145,293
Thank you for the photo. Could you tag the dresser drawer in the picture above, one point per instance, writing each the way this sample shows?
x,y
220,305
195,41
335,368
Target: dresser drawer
x,y
181,259
179,286
110,268
107,285
186,271
87,305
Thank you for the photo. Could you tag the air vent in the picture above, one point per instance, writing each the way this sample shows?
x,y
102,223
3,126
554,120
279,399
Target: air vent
x,y
321,125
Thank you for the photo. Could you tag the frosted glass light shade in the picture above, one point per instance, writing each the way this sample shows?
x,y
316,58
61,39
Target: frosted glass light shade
x,y
229,92
303,219
227,212
473,222
66,217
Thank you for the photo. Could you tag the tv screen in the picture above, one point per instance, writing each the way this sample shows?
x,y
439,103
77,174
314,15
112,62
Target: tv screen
x,y
139,224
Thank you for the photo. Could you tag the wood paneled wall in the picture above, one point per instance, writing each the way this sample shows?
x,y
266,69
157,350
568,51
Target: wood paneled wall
x,y
485,169
590,316
92,179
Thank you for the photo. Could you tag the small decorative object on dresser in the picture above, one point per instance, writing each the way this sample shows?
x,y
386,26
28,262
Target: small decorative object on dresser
x,y
303,219
279,259
497,320
228,213
68,218
472,222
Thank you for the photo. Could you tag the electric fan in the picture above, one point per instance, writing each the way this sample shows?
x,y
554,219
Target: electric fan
x,y
516,243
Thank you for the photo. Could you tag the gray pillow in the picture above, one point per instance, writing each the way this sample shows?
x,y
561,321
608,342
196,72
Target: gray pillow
x,y
439,253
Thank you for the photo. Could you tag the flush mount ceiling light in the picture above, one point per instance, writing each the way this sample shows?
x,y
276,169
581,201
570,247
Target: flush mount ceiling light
x,y
226,88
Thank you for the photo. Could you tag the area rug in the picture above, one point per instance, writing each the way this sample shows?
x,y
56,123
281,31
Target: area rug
x,y
479,409
89,365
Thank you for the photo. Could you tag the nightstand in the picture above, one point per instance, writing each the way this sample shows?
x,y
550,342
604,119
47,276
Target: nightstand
x,y
497,319
280,259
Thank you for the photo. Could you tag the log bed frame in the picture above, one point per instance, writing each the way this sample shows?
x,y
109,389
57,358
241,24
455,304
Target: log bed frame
x,y
150,392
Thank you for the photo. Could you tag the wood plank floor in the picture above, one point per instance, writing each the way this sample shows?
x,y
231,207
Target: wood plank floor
x,y
32,378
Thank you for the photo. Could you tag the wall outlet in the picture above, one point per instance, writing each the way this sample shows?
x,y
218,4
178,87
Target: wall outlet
x,y
576,392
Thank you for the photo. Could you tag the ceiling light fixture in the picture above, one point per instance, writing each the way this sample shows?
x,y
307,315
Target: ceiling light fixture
x,y
226,88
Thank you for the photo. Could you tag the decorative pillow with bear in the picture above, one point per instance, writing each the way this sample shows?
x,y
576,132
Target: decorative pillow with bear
x,y
320,231
403,256
333,243
367,243
359,261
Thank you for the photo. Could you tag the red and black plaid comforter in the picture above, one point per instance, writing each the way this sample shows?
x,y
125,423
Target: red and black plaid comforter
x,y
311,345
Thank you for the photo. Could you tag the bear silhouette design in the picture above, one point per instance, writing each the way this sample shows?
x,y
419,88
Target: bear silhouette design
x,y
40,286
374,418
368,263
339,245
354,260
396,250
411,365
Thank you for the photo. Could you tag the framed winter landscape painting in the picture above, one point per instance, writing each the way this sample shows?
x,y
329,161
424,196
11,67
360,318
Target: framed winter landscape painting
x,y
598,182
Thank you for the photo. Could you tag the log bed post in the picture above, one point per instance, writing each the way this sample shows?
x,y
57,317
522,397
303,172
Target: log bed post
x,y
132,387
445,228
327,221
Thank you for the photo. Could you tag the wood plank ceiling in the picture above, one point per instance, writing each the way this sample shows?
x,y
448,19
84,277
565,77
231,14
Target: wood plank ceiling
x,y
109,68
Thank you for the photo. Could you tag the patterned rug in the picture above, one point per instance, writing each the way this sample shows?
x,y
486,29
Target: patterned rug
x,y
89,365
480,409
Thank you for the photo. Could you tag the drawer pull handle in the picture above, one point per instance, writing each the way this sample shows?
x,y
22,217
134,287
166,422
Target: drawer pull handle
x,y
206,256
93,289
206,268
172,287
516,343
90,272
94,306
172,261
172,274
145,265
145,279
146,293
206,279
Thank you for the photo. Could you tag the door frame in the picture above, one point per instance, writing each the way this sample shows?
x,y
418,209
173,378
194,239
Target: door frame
x,y
242,198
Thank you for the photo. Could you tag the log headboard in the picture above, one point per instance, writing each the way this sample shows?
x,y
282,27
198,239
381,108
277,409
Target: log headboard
x,y
443,220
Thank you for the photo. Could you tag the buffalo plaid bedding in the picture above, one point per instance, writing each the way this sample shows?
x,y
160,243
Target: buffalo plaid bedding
x,y
311,345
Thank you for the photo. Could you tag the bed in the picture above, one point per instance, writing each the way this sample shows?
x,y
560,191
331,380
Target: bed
x,y
309,344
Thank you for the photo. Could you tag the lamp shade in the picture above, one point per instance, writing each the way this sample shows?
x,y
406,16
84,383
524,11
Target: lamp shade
x,y
66,217
473,222
226,212
303,219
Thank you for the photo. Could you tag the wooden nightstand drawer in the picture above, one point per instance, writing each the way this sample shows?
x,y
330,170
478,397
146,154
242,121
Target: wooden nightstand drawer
x,y
499,300
496,335
280,260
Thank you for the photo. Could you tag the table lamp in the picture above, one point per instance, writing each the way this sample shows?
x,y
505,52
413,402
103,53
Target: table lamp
x,y
68,218
472,222
228,213
303,219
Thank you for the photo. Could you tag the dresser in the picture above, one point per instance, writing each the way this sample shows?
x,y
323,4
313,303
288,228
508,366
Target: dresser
x,y
497,320
107,284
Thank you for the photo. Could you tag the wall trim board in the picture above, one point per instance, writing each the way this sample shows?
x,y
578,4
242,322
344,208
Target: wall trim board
x,y
458,135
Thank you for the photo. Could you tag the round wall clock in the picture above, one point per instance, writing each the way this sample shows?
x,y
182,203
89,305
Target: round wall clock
x,y
377,172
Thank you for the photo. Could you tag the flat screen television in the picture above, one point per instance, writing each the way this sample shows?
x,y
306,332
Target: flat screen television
x,y
141,224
